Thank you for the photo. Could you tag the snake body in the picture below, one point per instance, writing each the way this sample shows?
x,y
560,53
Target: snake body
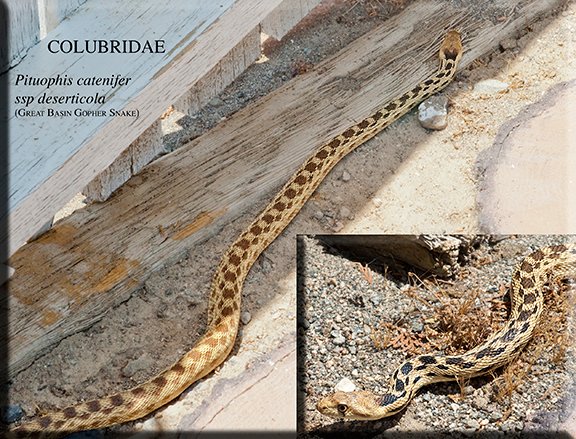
x,y
527,303
226,289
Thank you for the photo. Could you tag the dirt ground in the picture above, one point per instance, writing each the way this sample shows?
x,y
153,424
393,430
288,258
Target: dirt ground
x,y
380,188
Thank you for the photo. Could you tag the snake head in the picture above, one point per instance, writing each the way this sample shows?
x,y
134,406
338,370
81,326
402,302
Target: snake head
x,y
451,48
360,405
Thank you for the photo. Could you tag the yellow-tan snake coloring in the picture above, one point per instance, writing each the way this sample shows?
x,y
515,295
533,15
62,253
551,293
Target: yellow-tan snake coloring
x,y
527,299
226,289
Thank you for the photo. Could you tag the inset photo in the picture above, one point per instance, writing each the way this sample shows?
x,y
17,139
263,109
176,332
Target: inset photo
x,y
439,334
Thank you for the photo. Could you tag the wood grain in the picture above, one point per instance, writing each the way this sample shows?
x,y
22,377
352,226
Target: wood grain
x,y
49,164
95,258
23,19
285,16
438,255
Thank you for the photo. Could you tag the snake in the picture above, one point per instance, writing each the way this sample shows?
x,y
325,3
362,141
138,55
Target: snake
x,y
216,343
527,299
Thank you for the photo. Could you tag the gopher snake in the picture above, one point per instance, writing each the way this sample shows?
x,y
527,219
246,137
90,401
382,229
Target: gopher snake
x,y
527,302
226,290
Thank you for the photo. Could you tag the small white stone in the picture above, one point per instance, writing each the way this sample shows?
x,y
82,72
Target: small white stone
x,y
345,176
339,340
473,423
245,317
433,113
490,86
345,385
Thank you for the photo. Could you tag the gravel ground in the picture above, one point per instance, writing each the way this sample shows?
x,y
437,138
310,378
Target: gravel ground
x,y
343,314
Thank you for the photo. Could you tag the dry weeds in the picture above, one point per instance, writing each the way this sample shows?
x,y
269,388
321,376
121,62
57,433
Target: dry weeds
x,y
459,321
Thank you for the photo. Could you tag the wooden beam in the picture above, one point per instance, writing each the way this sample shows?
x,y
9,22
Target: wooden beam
x,y
23,19
438,255
95,258
49,165
52,12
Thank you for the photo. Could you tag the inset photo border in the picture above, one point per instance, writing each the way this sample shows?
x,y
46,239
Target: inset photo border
x,y
370,304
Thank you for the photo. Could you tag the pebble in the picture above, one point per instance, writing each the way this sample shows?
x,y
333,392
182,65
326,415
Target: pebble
x,y
346,176
433,113
265,265
495,415
473,423
490,86
7,272
481,402
318,214
508,43
344,212
375,299
245,317
339,340
417,326
345,385
216,102
143,362
337,227
11,413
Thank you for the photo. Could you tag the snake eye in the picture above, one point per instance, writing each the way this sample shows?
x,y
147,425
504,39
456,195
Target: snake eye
x,y
342,408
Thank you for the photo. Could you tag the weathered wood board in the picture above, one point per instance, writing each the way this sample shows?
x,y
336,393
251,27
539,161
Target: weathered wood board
x,y
438,255
52,12
29,21
50,165
285,16
95,258
23,19
143,150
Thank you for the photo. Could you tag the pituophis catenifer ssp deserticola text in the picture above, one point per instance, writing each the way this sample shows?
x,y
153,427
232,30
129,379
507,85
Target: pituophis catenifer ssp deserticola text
x,y
226,290
527,298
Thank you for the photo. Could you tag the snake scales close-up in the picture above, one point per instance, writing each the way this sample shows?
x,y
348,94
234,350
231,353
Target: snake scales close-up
x,y
527,302
225,294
